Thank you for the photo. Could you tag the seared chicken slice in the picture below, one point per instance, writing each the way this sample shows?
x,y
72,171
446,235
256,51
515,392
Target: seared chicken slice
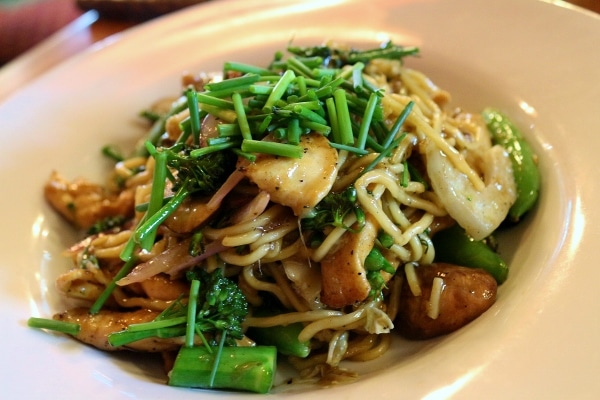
x,y
297,183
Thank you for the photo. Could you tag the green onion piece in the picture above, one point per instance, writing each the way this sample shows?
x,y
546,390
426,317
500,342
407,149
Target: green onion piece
x,y
307,113
365,124
279,89
398,124
191,314
192,103
301,82
156,195
293,131
228,130
299,67
383,154
260,89
245,68
214,101
233,84
264,125
69,328
121,338
241,116
343,114
248,156
348,72
149,227
333,119
316,127
228,116
217,360
351,149
156,324
273,148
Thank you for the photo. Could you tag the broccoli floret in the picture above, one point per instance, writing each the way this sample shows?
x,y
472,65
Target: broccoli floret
x,y
332,210
222,306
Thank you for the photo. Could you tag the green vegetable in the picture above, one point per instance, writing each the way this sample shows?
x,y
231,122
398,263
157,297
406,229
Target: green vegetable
x,y
332,210
375,263
57,326
525,169
453,245
239,368
284,338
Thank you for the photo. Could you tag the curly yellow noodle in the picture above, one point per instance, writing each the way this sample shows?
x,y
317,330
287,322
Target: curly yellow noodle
x,y
259,285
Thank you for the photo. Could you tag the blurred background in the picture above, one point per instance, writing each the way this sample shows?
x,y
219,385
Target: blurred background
x,y
25,23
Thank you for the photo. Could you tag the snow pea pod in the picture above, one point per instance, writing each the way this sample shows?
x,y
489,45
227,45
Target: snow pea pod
x,y
524,161
283,337
454,246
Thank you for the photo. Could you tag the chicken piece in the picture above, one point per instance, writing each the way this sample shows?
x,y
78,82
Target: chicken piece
x,y
96,328
466,294
83,203
344,279
297,183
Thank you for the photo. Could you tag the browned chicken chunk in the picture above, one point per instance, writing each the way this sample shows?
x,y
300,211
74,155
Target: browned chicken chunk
x,y
466,294
83,203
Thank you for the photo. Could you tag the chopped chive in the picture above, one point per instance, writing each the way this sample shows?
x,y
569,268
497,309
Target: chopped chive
x,y
365,124
279,89
351,149
226,115
333,119
260,89
299,67
265,123
121,338
398,124
191,313
228,130
323,129
245,68
201,152
248,156
273,148
214,101
241,116
343,114
383,154
156,195
192,103
301,82
293,131
151,224
69,328
307,113
156,324
233,84
349,71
